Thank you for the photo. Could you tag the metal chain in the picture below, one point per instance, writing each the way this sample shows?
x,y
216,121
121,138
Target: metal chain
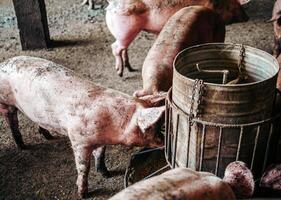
x,y
196,95
241,60
192,100
200,93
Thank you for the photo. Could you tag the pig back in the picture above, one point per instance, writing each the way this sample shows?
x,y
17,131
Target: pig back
x,y
189,26
178,184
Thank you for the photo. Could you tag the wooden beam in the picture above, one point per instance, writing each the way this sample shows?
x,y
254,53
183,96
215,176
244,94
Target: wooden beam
x,y
32,24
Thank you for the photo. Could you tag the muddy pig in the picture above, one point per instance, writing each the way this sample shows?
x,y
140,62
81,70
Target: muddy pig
x,y
189,26
276,19
126,18
181,184
91,116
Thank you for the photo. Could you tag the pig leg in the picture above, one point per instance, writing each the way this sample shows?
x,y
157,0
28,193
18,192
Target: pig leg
x,y
84,2
82,159
99,155
117,52
91,5
45,133
11,117
121,45
125,58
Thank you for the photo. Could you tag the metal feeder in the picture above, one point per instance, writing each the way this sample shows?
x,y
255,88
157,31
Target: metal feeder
x,y
221,108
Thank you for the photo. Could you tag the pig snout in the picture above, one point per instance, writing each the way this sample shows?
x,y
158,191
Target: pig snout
x,y
240,179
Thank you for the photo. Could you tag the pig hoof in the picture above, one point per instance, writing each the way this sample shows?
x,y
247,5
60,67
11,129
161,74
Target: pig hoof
x,y
130,69
120,74
82,195
46,134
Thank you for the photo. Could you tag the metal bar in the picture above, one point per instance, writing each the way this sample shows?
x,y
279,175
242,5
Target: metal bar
x,y
219,151
156,172
149,150
239,143
188,140
202,147
169,135
175,141
267,147
224,72
166,124
255,147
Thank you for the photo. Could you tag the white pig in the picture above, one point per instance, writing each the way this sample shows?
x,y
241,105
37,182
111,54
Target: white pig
x,y
126,18
186,184
91,116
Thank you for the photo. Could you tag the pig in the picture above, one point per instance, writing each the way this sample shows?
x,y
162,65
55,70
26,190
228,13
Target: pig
x,y
272,178
187,27
276,19
58,100
240,179
126,18
180,184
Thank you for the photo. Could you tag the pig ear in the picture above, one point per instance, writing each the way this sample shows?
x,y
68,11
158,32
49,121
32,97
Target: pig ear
x,y
149,116
243,2
153,100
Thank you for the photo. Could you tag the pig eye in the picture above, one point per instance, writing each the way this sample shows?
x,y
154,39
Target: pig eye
x,y
279,21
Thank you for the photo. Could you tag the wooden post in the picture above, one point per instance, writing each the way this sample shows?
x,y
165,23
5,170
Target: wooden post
x,y
32,24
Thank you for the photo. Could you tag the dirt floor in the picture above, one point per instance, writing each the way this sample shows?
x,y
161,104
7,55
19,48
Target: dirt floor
x,y
47,170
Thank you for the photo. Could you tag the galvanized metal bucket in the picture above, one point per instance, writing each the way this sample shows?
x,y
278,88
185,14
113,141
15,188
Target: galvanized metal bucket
x,y
211,120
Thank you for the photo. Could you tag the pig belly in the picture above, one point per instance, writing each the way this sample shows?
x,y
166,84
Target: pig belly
x,y
157,18
123,27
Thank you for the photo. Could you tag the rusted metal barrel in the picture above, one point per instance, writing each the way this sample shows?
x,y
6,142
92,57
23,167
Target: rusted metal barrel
x,y
221,108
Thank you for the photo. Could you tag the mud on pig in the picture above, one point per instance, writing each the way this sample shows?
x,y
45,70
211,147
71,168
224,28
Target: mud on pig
x,y
91,116
126,18
189,26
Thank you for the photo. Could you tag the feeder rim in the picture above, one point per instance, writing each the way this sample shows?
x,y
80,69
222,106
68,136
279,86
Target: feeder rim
x,y
173,105
225,44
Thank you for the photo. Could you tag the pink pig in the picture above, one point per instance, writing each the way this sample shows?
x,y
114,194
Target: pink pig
x,y
186,184
91,116
126,18
189,26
